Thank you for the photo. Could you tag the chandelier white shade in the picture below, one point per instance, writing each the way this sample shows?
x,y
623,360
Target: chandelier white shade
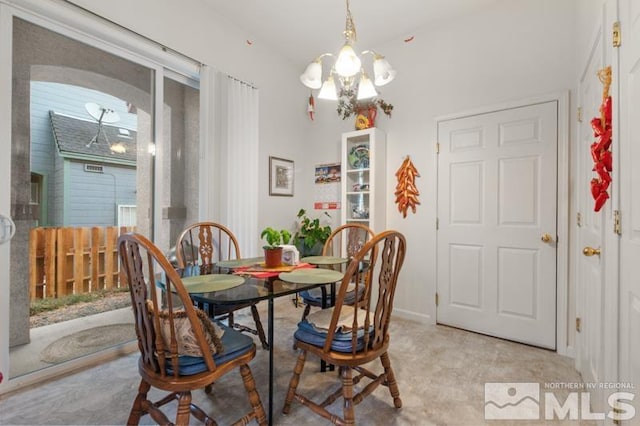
x,y
328,90
348,64
382,71
312,76
365,87
348,70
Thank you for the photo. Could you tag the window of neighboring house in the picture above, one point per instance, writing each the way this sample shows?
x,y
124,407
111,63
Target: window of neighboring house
x,y
36,189
36,197
126,215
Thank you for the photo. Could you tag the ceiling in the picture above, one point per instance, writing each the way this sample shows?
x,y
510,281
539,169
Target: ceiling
x,y
303,29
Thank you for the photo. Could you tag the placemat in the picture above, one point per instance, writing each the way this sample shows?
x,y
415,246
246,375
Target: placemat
x,y
324,260
211,282
311,276
260,267
259,271
236,263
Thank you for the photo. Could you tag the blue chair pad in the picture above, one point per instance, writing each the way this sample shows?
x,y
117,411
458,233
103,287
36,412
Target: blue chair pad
x,y
341,341
314,297
235,344
190,270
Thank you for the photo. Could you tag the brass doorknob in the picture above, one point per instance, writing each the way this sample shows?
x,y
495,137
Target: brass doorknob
x,y
590,251
546,238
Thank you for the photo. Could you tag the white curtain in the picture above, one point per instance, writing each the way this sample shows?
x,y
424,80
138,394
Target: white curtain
x,y
238,135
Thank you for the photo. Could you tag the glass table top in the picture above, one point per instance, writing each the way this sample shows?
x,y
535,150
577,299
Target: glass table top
x,y
256,289
311,276
211,282
324,260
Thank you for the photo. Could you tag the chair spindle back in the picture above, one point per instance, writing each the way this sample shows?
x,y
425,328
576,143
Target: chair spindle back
x,y
138,254
347,240
377,264
203,244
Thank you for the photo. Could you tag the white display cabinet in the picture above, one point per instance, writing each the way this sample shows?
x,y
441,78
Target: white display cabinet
x,y
364,178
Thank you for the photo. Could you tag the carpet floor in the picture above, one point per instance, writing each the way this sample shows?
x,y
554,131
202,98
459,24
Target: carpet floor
x,y
441,373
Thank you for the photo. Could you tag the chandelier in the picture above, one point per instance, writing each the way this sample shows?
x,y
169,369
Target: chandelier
x,y
347,70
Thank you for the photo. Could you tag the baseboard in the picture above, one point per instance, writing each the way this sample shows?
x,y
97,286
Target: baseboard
x,y
413,316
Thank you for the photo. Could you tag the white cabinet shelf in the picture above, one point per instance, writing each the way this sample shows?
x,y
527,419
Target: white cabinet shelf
x,y
364,178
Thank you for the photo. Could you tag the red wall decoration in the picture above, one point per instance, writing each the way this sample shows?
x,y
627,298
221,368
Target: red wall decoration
x,y
406,190
601,148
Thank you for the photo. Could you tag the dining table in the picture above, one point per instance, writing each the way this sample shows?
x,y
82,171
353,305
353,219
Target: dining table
x,y
248,281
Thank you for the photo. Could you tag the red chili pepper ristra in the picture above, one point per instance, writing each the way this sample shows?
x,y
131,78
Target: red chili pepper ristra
x,y
601,155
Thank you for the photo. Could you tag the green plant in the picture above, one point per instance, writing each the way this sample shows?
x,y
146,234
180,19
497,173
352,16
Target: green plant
x,y
348,104
275,238
310,232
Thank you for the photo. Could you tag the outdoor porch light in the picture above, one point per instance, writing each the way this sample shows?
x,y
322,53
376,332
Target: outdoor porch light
x,y
348,70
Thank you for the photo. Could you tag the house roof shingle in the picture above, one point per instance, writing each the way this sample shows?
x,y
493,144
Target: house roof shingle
x,y
72,136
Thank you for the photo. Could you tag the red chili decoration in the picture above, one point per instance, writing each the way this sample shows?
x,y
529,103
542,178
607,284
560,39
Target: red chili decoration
x,y
602,198
606,107
311,107
600,152
604,140
596,125
607,160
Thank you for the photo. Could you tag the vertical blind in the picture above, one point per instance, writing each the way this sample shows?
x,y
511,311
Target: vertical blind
x,y
239,161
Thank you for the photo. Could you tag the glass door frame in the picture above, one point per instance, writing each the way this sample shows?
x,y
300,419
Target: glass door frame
x,y
80,25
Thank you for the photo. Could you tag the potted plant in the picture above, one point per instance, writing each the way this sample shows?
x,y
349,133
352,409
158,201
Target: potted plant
x,y
273,249
311,234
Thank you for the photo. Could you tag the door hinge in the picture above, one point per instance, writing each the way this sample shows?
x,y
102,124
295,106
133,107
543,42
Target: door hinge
x,y
617,228
579,219
437,223
437,147
437,299
578,324
579,114
617,35
617,412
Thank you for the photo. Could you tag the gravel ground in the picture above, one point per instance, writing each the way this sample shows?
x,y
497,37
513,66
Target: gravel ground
x,y
109,303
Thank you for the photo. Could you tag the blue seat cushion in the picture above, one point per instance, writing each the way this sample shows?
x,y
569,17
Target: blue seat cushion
x,y
307,333
314,296
191,270
234,343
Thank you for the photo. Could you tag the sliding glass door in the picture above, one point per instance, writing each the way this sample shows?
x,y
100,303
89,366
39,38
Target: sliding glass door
x,y
101,142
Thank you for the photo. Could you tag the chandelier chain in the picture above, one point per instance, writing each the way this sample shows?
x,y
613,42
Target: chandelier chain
x,y
350,27
347,77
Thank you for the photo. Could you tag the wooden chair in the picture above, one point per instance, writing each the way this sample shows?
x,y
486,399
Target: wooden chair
x,y
344,241
351,336
160,327
198,248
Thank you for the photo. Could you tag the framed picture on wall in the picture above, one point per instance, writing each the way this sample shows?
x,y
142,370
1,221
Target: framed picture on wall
x,y
280,177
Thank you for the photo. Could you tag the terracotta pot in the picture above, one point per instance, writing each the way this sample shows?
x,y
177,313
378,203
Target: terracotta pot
x,y
372,113
273,257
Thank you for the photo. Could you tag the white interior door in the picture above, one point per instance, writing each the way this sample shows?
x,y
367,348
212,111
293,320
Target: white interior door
x,y
597,273
590,278
629,352
497,206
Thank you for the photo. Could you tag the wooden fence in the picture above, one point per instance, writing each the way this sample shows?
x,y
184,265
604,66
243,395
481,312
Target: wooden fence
x,y
72,260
